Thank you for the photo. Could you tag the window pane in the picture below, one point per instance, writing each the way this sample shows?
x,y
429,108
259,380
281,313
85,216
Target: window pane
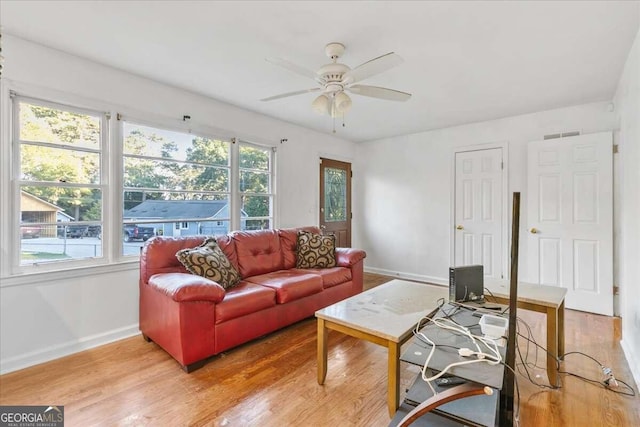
x,y
39,163
256,224
44,250
151,142
45,124
254,182
50,243
254,158
255,206
168,204
171,175
186,214
57,203
335,189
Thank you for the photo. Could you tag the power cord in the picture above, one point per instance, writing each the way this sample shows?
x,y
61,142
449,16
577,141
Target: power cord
x,y
493,357
609,382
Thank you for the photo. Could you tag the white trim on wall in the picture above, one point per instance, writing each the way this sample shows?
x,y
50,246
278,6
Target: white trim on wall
x,y
64,349
408,276
634,364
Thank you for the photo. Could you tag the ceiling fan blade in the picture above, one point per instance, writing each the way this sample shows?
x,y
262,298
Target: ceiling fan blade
x,y
284,95
371,68
293,67
379,92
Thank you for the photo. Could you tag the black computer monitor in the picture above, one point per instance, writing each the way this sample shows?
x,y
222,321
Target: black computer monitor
x,y
506,412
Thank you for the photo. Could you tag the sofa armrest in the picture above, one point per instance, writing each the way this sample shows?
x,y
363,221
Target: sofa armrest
x,y
182,287
346,257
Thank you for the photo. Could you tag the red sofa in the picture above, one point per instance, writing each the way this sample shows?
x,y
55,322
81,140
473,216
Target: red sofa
x,y
193,318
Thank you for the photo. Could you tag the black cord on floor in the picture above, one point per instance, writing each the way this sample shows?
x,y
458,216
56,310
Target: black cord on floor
x,y
604,384
525,363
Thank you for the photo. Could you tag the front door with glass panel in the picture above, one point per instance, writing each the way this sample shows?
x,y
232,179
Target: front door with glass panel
x,y
335,200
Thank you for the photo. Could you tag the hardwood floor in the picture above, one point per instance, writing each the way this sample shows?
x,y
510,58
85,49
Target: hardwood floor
x,y
272,382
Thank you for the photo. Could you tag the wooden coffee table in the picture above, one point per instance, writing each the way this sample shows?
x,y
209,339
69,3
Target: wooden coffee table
x,y
384,315
543,299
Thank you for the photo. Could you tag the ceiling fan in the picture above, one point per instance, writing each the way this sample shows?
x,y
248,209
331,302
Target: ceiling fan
x,y
335,79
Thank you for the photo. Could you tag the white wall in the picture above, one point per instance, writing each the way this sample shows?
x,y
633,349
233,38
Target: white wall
x,y
46,316
627,101
404,217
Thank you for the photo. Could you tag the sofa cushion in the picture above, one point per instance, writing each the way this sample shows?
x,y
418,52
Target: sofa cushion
x,y
159,255
228,246
244,299
258,252
208,260
289,285
289,243
315,250
330,276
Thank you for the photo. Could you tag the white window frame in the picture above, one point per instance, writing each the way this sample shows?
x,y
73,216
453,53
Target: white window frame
x,y
111,169
179,224
16,165
272,180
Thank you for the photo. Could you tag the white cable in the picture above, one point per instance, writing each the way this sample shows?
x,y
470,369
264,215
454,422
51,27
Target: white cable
x,y
444,323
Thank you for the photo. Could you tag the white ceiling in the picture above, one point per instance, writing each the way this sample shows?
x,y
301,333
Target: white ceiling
x,y
464,61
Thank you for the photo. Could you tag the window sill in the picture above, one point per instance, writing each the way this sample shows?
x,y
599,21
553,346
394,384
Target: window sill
x,y
53,276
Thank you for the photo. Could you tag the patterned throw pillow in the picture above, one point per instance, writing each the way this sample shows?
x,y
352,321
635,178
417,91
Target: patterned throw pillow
x,y
315,250
208,260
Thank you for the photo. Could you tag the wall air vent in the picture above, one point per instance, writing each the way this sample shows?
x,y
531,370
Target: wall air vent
x,y
562,134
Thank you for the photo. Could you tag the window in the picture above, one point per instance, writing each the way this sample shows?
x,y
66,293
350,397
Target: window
x,y
60,181
256,181
174,183
70,173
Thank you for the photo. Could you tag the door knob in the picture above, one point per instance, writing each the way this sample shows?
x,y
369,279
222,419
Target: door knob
x,y
533,231
459,227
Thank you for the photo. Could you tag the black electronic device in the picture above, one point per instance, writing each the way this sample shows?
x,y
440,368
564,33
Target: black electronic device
x,y
466,283
450,381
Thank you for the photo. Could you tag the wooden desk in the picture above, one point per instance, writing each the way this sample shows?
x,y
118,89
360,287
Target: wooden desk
x,y
543,299
384,315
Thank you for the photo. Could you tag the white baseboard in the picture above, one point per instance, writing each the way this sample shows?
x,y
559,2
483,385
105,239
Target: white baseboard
x,y
633,360
60,350
408,276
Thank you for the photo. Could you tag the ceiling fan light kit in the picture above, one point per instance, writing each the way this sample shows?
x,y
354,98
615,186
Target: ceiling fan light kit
x,y
321,104
335,79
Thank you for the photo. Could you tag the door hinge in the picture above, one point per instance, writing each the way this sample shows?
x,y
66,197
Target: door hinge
x,y
616,290
501,165
351,174
615,148
351,215
118,116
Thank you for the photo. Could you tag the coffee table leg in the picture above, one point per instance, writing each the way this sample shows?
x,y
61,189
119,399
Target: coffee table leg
x,y
393,377
552,345
322,351
561,329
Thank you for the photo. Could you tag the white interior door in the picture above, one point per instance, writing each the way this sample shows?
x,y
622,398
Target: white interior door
x,y
570,218
478,210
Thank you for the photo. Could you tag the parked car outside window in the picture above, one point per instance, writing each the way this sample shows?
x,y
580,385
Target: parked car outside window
x,y
30,231
76,231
